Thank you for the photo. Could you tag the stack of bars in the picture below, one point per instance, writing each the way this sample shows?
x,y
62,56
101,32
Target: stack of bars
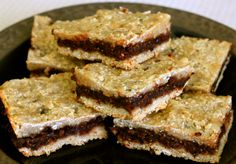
x,y
125,65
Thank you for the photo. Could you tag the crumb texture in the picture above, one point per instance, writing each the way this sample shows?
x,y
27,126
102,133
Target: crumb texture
x,y
118,27
206,56
193,115
117,82
44,53
39,100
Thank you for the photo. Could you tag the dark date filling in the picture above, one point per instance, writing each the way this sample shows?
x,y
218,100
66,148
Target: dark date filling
x,y
145,136
118,52
142,100
48,135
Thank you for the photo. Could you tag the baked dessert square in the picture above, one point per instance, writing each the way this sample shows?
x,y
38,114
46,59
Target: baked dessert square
x,y
208,57
115,37
134,93
43,56
43,115
194,126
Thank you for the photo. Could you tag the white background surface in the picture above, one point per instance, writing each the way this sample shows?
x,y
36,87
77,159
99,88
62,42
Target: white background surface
x,y
223,11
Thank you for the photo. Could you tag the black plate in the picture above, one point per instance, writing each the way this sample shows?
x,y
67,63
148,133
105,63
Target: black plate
x,y
15,43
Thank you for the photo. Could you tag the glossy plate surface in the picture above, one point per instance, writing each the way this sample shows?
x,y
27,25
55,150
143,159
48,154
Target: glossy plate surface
x,y
15,42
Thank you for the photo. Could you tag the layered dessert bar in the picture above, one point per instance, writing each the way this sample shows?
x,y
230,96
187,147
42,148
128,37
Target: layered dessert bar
x,y
194,126
208,57
42,115
115,37
134,93
43,56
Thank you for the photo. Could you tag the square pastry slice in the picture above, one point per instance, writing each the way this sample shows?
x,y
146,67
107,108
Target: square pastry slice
x,y
208,57
134,93
43,115
116,37
194,126
43,56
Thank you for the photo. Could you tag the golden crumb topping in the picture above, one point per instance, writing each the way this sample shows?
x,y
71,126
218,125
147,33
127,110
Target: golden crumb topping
x,y
206,56
44,53
41,99
116,82
115,26
193,115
